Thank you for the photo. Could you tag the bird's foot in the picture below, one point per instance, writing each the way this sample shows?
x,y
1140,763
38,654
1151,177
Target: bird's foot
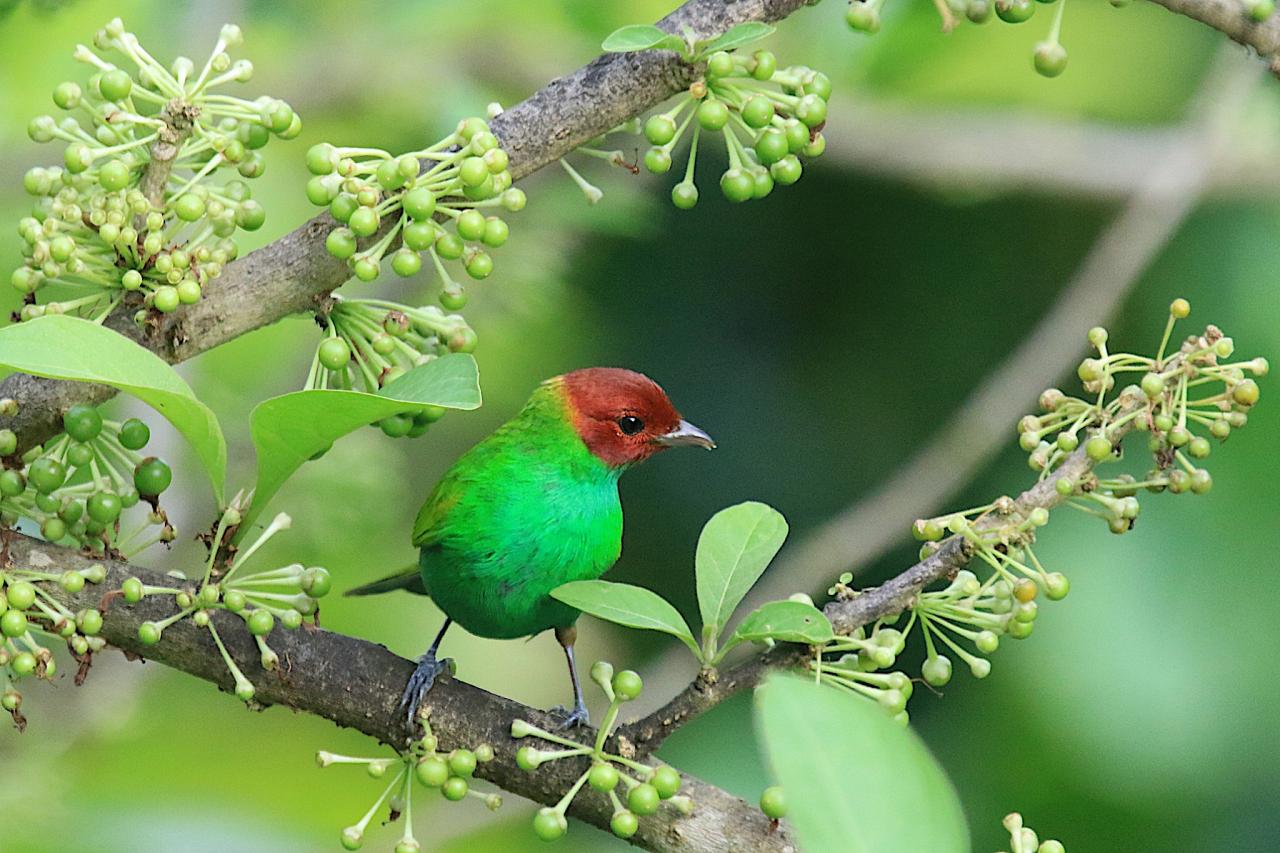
x,y
419,683
571,719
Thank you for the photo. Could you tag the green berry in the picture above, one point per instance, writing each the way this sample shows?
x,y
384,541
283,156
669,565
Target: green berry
x,y
624,824
20,595
1050,58
364,222
189,207
863,17
527,757
114,175
152,476
1201,481
149,633
83,423
134,434
115,85
462,762
765,65
406,262
1245,393
89,622
342,206
684,195
12,483
660,129
771,146
757,112
320,159
46,474
713,114
719,64
643,799
67,95
419,236
449,246
936,670
787,170
352,838
261,622
53,529
1014,11
334,353
13,623
603,777
104,507
479,265
773,803
657,160
737,185
341,243
470,225
166,299
627,685
549,824
432,771
811,110
495,232
1098,448
455,788
666,781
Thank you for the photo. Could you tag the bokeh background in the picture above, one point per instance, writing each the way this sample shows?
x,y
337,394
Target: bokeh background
x,y
824,336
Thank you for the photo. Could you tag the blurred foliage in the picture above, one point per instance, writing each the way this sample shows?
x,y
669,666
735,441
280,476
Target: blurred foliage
x,y
820,337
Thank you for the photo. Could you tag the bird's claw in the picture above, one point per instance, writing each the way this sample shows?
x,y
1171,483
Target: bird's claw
x,y
571,719
419,683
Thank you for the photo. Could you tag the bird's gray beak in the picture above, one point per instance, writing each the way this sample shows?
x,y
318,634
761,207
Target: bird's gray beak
x,y
686,435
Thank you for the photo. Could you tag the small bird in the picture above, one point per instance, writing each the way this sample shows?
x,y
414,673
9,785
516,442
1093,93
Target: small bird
x,y
533,506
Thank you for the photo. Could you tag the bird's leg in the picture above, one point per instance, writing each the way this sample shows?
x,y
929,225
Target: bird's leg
x,y
422,679
578,716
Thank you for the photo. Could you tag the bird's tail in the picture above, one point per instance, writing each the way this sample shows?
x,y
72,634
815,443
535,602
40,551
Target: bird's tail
x,y
409,579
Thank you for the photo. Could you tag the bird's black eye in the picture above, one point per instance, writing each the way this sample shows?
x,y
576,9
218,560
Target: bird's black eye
x,y
630,424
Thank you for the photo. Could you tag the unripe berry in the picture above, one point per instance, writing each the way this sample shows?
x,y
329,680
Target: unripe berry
x,y
549,824
624,824
936,670
773,803
603,777
643,799
627,686
1050,58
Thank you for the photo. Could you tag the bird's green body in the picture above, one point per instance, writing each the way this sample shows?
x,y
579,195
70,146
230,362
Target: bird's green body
x,y
527,509
533,506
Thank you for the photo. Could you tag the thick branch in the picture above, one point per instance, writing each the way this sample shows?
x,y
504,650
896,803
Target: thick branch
x,y
357,685
290,274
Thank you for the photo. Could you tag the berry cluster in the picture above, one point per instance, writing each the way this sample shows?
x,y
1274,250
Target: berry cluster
x,y
1196,387
767,115
77,486
376,194
136,207
1049,56
288,595
371,342
645,787
449,773
25,609
1023,839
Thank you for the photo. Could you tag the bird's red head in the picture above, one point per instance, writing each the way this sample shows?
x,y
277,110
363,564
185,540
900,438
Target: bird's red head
x,y
624,417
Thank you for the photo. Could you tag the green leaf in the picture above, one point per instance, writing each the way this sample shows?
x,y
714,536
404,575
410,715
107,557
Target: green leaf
x,y
733,551
641,37
737,36
290,429
784,621
61,347
633,606
820,739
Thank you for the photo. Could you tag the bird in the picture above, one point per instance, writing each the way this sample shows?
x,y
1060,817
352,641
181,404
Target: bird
x,y
533,506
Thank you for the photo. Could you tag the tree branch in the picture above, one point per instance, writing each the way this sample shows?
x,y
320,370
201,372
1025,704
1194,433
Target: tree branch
x,y
290,274
357,685
1230,18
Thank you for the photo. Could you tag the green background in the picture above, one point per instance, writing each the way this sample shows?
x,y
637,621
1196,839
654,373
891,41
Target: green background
x,y
821,336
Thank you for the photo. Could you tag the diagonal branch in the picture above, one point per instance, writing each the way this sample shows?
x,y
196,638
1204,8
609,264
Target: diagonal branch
x,y
357,685
292,273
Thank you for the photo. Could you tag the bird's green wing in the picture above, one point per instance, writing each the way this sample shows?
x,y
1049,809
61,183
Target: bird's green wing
x,y
432,519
